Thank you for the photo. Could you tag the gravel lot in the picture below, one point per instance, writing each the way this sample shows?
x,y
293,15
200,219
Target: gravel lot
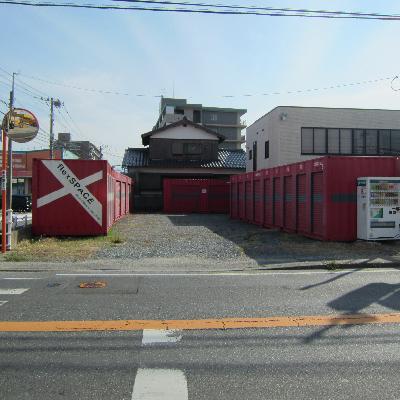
x,y
216,237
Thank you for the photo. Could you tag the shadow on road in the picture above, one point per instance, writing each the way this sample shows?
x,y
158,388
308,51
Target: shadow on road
x,y
354,302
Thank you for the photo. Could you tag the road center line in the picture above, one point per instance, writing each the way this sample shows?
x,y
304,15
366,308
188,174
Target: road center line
x,y
160,336
198,324
160,384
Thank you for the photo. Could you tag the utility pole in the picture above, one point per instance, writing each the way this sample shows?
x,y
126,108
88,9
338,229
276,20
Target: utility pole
x,y
53,103
10,158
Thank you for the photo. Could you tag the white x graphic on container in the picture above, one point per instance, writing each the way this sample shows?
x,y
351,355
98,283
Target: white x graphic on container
x,y
74,186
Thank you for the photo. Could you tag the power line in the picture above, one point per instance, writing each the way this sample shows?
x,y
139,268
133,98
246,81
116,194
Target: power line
x,y
77,87
284,13
292,91
241,7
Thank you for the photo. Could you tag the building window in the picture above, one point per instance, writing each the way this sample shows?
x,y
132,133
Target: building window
x,y
177,148
214,117
192,148
179,111
350,141
196,116
250,154
266,149
333,141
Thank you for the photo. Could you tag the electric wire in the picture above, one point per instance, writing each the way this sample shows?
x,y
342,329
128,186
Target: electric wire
x,y
291,91
253,7
304,13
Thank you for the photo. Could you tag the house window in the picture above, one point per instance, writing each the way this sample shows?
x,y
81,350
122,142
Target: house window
x,y
192,148
213,117
250,154
266,149
177,148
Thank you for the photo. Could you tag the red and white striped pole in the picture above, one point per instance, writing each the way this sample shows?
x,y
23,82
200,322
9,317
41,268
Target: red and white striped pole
x,y
4,194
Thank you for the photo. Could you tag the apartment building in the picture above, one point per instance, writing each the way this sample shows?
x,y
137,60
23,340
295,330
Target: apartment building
x,y
224,121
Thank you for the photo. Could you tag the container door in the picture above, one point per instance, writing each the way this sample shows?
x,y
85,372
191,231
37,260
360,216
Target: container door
x,y
258,202
218,196
249,201
234,200
301,209
277,215
203,197
185,197
267,202
241,197
317,203
288,204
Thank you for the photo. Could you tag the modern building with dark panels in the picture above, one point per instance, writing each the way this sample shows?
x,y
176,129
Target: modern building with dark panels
x,y
84,149
287,135
225,121
182,149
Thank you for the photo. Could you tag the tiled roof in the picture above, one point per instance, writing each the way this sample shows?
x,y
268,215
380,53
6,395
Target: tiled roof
x,y
138,158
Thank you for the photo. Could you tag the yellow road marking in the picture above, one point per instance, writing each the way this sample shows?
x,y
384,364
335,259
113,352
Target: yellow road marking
x,y
200,324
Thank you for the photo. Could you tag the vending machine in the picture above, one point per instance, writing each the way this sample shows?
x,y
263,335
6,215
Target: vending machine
x,y
378,208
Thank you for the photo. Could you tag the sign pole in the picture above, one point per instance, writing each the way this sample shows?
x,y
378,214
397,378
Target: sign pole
x,y
4,194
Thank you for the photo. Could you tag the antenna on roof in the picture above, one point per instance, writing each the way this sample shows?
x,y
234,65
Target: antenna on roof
x,y
173,89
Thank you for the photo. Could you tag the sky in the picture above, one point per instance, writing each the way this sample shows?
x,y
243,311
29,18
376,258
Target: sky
x,y
199,57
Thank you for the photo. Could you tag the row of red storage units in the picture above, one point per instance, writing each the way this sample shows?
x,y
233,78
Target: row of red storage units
x,y
77,197
316,198
196,196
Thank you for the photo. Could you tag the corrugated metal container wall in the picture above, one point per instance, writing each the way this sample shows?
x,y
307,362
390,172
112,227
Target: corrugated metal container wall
x,y
276,197
196,196
268,198
340,203
74,197
241,197
258,198
218,196
234,211
289,198
318,198
249,200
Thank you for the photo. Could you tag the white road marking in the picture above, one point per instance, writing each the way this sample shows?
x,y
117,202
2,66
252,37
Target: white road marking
x,y
160,336
379,261
160,384
251,273
13,291
19,279
2,302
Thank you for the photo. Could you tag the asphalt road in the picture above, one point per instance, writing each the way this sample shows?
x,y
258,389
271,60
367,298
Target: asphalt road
x,y
280,362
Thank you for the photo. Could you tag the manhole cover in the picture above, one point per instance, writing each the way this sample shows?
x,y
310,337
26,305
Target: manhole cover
x,y
92,285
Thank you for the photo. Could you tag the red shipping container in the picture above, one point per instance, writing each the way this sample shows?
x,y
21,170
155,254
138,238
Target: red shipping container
x,y
276,198
218,196
258,194
75,197
234,199
249,200
289,198
268,199
242,197
196,196
318,198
